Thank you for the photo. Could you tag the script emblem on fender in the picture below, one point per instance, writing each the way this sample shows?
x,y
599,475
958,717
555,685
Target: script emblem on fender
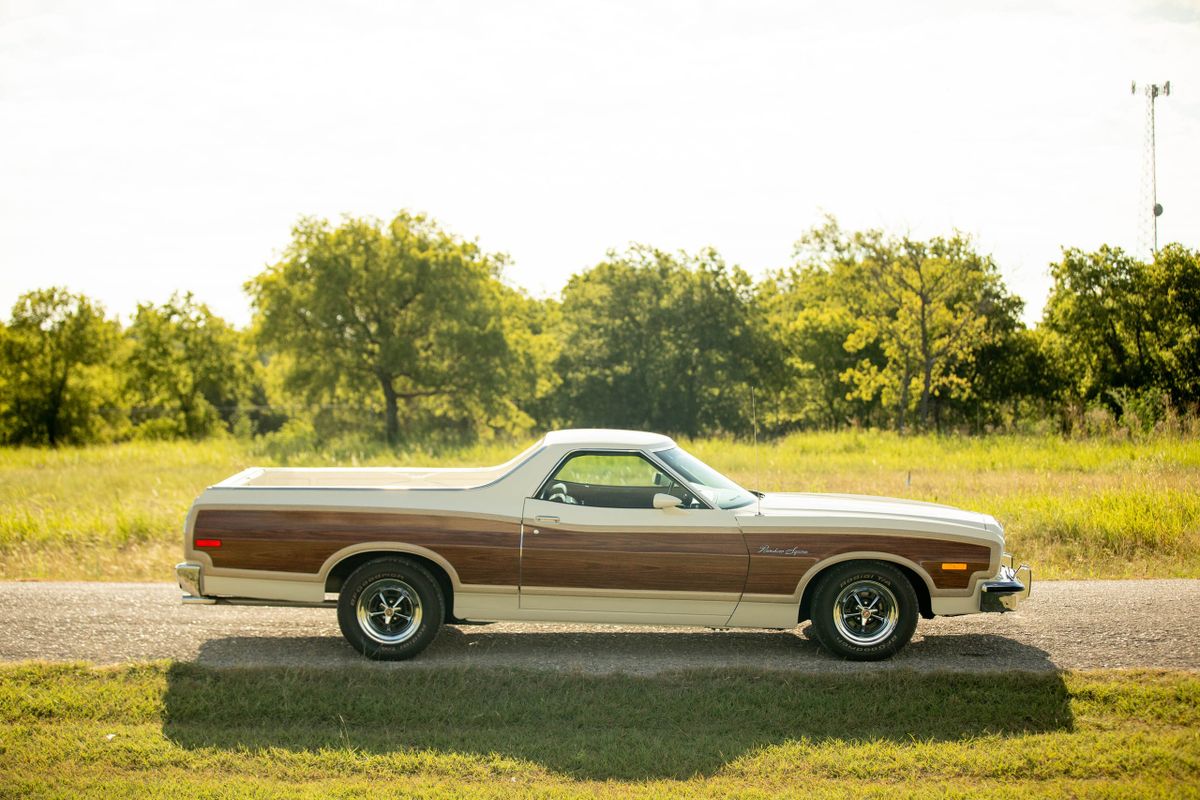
x,y
767,550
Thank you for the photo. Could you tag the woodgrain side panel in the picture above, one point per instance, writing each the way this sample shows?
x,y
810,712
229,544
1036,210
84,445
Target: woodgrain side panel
x,y
488,551
635,560
779,560
771,574
482,551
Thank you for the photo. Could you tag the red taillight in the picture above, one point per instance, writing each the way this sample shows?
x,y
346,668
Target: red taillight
x,y
208,543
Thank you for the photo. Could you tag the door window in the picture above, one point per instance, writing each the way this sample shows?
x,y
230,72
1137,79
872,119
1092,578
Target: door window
x,y
612,480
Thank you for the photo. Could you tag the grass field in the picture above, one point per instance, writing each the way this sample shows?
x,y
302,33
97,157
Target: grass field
x,y
1093,508
185,731
1100,508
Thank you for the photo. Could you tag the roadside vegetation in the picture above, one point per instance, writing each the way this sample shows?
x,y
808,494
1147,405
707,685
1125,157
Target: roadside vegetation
x,y
166,729
405,332
1102,507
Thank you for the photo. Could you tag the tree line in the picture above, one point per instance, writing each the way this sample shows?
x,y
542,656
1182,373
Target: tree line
x,y
405,332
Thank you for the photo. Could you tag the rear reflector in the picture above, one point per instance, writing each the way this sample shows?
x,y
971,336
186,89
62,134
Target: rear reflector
x,y
953,566
208,543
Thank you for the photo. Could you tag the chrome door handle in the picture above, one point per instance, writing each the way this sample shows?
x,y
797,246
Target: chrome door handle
x,y
543,518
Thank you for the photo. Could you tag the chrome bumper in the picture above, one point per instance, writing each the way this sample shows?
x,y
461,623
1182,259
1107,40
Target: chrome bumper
x,y
1010,586
191,580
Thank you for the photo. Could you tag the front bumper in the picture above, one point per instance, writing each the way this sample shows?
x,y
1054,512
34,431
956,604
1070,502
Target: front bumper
x,y
191,580
1005,591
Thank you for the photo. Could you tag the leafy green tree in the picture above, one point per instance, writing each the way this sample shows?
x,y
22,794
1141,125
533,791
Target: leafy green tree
x,y
1099,312
189,366
1120,324
1174,286
925,305
55,354
533,328
1013,379
402,311
917,313
5,400
805,323
659,341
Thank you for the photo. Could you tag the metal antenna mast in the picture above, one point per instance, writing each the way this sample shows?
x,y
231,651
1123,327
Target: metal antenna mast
x,y
1148,223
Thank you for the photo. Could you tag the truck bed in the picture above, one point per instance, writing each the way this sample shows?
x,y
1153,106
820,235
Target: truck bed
x,y
363,477
399,478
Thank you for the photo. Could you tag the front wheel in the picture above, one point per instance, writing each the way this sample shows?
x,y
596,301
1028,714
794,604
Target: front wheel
x,y
390,609
864,610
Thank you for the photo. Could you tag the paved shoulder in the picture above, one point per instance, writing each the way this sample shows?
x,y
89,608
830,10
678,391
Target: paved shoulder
x,y
1065,625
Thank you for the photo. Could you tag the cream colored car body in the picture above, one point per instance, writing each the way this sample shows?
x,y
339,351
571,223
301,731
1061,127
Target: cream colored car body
x,y
508,494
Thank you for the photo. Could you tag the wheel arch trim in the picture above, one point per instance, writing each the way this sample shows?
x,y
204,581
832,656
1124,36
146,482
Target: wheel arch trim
x,y
807,579
388,548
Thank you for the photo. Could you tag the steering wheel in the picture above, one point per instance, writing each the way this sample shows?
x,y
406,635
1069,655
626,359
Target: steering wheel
x,y
687,497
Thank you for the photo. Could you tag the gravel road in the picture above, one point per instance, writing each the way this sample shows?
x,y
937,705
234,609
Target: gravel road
x,y
1064,625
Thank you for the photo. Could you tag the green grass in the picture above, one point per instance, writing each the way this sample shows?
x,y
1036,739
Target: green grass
x,y
184,730
1098,508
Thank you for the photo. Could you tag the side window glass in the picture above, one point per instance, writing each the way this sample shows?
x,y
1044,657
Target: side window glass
x,y
611,480
621,469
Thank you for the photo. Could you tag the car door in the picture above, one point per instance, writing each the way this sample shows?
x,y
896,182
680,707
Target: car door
x,y
595,548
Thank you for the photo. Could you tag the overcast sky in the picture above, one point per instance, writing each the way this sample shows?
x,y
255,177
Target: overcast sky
x,y
148,147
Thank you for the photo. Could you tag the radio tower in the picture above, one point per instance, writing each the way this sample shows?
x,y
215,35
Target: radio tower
x,y
1149,208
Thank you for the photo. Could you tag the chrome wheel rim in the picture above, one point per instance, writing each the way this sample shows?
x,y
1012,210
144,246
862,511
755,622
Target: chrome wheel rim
x,y
389,611
865,613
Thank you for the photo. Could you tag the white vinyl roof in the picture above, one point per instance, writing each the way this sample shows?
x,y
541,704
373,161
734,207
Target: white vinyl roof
x,y
606,437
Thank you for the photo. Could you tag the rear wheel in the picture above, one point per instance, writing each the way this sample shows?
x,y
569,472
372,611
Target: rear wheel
x,y
390,609
864,610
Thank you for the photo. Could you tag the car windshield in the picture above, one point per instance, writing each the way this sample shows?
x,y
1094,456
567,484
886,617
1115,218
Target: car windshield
x,y
715,487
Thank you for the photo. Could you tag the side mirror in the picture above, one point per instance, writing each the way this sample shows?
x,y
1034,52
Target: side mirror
x,y
666,501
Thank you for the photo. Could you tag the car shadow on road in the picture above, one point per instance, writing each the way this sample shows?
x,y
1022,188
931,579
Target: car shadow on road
x,y
694,716
600,649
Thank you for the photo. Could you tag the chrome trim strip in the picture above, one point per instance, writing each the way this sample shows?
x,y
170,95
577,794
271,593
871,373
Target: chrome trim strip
x,y
251,601
631,594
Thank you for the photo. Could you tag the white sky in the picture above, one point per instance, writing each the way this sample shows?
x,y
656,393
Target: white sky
x,y
148,147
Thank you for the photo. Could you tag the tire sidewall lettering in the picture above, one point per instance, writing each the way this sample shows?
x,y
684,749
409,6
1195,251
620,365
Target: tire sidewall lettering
x,y
832,585
422,582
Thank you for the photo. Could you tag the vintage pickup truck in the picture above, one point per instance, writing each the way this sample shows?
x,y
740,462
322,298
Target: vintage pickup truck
x,y
588,526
